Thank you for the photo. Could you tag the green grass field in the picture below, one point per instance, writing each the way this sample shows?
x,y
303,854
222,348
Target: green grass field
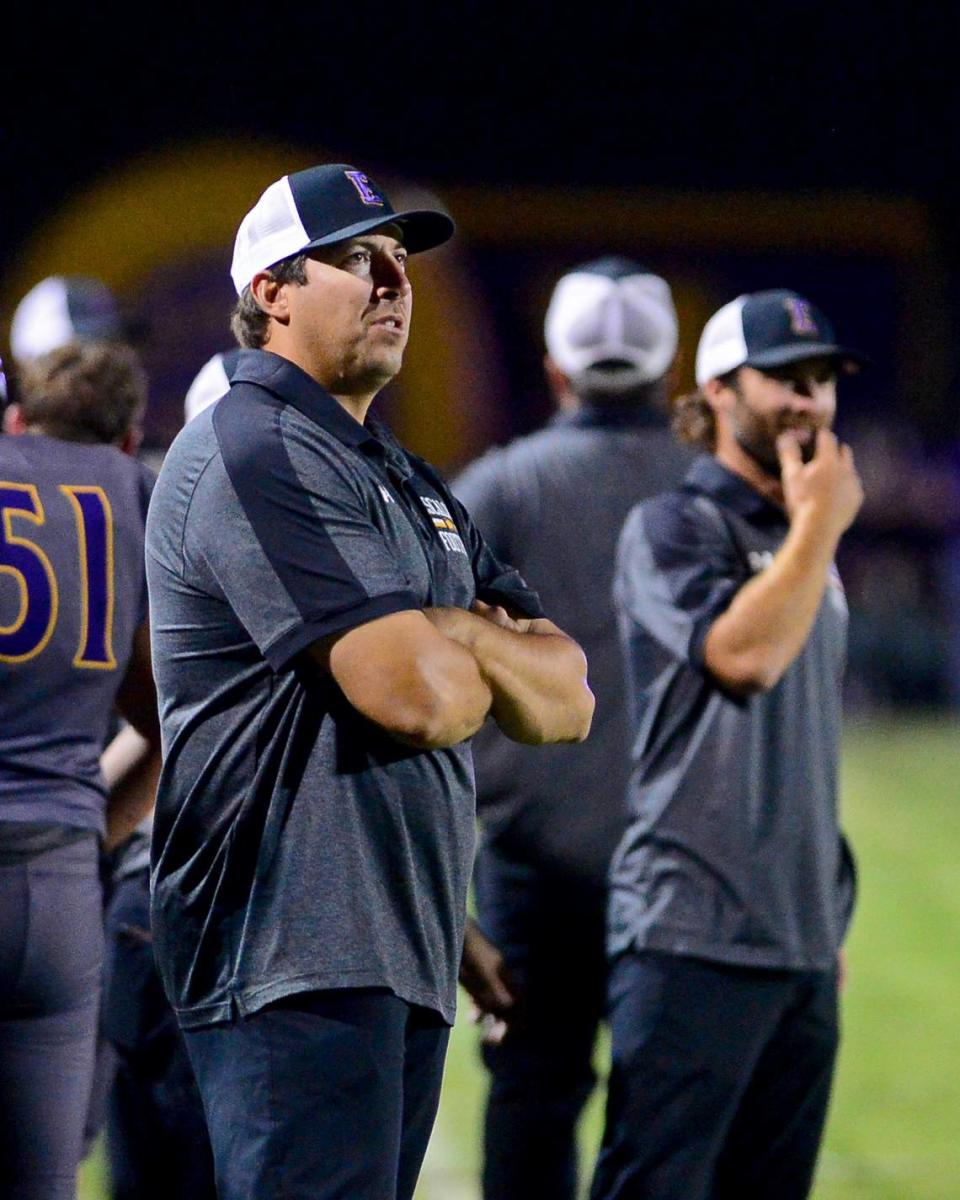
x,y
894,1129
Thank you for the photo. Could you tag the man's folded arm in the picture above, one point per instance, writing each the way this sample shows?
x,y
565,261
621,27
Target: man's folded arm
x,y
536,673
403,674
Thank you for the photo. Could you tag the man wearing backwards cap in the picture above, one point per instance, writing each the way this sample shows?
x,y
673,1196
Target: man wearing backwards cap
x,y
331,630
732,888
553,503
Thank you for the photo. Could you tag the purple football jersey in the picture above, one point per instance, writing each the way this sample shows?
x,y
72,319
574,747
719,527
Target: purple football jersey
x,y
72,594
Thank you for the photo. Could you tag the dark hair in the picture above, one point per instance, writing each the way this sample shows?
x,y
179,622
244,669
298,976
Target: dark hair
x,y
84,391
694,421
249,324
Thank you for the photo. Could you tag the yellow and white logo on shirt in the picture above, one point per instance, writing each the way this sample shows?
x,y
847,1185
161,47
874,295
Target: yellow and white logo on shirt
x,y
444,524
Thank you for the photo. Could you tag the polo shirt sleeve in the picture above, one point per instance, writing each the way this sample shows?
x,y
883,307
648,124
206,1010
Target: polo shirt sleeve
x,y
677,571
280,525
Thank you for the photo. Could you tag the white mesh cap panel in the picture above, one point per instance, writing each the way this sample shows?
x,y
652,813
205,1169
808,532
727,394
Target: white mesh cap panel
x,y
42,320
271,230
722,343
593,319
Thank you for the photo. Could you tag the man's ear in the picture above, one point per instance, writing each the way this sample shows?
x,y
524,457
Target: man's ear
x,y
271,296
13,421
560,386
720,396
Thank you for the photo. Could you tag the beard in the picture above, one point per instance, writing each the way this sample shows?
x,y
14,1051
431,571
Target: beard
x,y
757,436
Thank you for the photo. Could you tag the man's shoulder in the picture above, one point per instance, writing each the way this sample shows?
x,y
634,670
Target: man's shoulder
x,y
679,516
251,430
508,468
655,457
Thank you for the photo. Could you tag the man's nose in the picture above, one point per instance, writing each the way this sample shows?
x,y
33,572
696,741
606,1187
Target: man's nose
x,y
389,275
804,387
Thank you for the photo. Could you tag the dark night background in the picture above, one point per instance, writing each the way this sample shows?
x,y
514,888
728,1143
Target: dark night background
x,y
792,96
788,99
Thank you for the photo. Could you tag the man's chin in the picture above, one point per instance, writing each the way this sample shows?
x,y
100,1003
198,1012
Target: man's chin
x,y
374,375
764,454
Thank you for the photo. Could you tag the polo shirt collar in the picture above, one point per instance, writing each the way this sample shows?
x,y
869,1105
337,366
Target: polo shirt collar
x,y
711,478
294,386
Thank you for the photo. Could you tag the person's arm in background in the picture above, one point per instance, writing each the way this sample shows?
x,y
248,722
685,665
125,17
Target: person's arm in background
x,y
485,977
131,762
753,642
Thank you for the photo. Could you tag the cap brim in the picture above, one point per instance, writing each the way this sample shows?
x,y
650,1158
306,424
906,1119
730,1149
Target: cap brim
x,y
780,356
423,229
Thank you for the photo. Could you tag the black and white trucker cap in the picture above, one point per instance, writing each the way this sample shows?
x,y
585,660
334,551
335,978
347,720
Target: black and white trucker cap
x,y
611,323
320,206
768,329
66,308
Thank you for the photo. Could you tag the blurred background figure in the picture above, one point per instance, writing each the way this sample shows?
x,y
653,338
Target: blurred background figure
x,y
732,889
212,381
143,1093
553,503
64,308
73,644
157,1141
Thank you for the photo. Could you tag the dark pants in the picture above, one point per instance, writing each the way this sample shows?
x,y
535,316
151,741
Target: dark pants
x,y
51,947
326,1094
720,1080
551,932
157,1142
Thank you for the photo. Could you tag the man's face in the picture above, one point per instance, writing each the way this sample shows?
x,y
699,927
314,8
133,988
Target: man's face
x,y
352,316
800,395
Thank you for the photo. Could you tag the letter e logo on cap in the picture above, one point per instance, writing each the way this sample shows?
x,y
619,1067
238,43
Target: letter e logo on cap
x,y
364,190
801,318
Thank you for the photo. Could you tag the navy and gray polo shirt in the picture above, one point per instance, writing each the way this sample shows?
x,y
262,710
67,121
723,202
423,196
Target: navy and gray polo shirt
x,y
553,503
296,845
733,852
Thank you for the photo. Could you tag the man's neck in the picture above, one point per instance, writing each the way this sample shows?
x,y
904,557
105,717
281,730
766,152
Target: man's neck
x,y
731,455
355,406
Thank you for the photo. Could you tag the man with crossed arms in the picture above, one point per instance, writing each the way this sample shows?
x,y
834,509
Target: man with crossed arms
x,y
330,631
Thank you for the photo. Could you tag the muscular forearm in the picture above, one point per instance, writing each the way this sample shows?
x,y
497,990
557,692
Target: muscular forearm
x,y
421,688
756,639
537,677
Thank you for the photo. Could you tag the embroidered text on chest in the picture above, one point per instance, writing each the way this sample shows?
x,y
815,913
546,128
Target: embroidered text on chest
x,y
444,524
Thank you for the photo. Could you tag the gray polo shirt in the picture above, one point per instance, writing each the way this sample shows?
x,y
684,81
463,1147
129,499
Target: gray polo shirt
x,y
553,503
297,846
734,851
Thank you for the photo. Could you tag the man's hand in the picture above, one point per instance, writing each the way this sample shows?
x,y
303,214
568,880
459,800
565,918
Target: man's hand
x,y
486,979
536,674
498,616
827,487
751,644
